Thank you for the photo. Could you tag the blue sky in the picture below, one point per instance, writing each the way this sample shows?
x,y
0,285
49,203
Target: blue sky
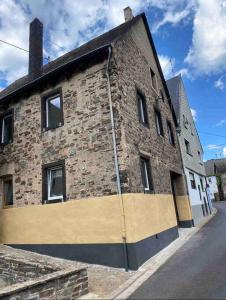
x,y
190,37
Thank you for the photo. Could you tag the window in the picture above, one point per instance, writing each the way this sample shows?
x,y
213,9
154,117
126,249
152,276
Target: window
x,y
170,133
158,121
192,180
200,156
153,80
6,124
8,191
202,186
54,182
210,181
187,146
52,111
142,109
146,174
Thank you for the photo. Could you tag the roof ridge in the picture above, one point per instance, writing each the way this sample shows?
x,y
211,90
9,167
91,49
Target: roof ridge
x,y
102,40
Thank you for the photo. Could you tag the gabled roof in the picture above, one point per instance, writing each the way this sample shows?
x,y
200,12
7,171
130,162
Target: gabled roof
x,y
95,44
173,85
176,87
84,52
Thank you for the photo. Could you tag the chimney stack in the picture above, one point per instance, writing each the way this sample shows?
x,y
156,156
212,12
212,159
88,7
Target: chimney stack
x,y
128,14
35,49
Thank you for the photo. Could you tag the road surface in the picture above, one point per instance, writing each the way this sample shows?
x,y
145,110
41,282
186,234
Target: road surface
x,y
197,270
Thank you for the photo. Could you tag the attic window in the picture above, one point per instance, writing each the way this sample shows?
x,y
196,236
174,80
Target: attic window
x,y
53,111
6,124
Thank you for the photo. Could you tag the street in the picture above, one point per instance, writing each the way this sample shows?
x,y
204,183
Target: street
x,y
197,270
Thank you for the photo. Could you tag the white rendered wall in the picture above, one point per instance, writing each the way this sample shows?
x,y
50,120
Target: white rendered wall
x,y
194,193
213,188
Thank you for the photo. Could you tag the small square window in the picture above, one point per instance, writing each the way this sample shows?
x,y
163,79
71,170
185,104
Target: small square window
x,y
142,108
192,180
52,111
8,191
54,182
6,124
146,174
170,133
153,80
158,121
187,146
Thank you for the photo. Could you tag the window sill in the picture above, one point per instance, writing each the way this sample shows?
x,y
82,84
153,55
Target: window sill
x,y
53,201
7,206
6,144
149,192
51,128
145,124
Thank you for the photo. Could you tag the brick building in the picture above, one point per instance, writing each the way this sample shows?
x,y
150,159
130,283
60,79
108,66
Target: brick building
x,y
93,134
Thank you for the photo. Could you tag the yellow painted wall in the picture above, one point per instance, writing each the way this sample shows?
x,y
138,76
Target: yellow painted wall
x,y
93,220
184,208
148,214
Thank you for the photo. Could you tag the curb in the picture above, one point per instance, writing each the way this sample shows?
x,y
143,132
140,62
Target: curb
x,y
155,262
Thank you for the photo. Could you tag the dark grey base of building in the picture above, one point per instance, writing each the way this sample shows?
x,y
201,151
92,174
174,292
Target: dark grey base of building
x,y
186,224
114,255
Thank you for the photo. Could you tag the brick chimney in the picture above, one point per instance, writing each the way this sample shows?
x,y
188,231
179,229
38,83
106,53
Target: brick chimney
x,y
128,14
35,49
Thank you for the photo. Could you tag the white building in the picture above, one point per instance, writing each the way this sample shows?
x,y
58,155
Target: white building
x,y
213,187
191,150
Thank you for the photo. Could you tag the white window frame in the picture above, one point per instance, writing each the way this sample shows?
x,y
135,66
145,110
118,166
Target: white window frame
x,y
3,126
141,104
49,177
47,108
146,176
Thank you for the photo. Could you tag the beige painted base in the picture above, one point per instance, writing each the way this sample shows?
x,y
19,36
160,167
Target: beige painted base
x,y
93,220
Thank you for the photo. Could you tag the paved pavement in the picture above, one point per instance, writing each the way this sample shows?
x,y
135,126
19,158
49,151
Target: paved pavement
x,y
197,270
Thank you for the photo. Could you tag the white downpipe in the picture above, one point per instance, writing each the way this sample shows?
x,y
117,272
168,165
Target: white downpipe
x,y
116,164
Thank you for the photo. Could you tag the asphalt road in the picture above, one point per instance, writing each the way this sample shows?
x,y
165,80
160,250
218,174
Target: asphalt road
x,y
197,270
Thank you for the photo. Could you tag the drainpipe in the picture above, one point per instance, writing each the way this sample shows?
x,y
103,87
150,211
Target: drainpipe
x,y
119,191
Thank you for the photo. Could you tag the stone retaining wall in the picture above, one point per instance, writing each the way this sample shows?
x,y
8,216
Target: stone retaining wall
x,y
64,284
14,271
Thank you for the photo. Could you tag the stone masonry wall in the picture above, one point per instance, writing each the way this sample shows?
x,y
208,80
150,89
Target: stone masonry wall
x,y
60,285
14,271
84,141
133,58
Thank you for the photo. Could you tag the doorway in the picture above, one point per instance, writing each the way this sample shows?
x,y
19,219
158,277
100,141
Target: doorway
x,y
173,179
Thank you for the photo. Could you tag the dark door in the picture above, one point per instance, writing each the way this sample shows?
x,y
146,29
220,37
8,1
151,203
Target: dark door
x,y
172,177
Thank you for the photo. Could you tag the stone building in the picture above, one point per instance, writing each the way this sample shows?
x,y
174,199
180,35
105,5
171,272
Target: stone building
x,y
217,167
191,151
93,134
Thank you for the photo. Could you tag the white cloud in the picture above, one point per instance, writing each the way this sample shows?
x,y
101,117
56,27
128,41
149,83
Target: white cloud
x,y
175,12
219,83
194,114
167,63
213,147
207,54
221,123
224,151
